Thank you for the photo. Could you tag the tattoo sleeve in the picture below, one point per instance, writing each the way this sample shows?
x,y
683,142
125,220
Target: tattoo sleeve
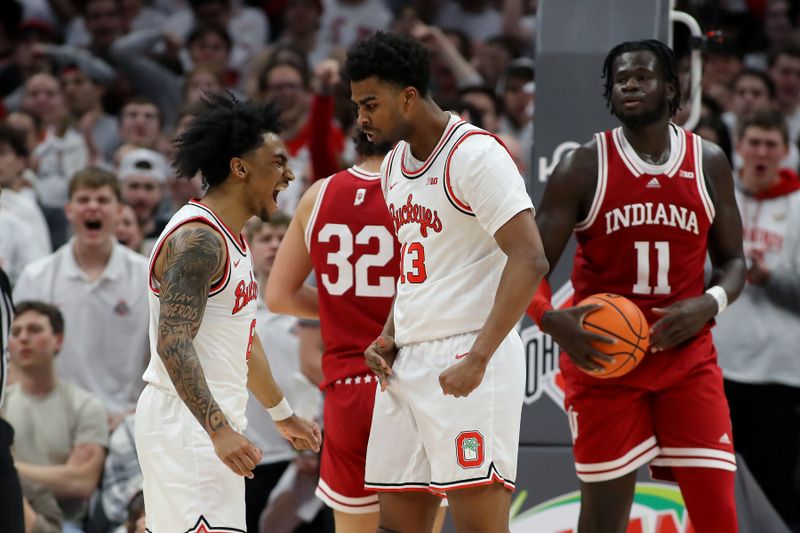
x,y
192,257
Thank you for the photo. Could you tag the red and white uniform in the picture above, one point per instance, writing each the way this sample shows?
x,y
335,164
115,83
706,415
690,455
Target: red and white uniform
x,y
645,238
356,262
184,479
446,211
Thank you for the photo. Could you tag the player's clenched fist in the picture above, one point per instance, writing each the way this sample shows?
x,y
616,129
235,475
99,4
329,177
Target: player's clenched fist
x,y
238,453
303,435
463,377
380,357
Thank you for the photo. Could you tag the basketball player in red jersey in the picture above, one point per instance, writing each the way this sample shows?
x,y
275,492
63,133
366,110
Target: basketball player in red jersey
x,y
647,201
343,230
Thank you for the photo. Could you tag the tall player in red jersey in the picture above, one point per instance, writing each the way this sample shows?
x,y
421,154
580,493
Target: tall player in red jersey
x,y
343,230
647,201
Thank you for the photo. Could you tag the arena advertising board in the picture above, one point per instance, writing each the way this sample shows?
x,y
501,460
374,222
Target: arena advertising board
x,y
657,508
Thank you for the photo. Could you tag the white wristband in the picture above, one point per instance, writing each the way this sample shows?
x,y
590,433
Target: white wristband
x,y
719,294
282,411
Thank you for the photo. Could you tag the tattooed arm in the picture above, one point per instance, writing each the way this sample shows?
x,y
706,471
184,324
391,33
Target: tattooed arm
x,y
193,257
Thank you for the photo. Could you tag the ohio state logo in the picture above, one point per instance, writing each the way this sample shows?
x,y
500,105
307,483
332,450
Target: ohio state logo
x,y
469,449
411,213
245,293
202,526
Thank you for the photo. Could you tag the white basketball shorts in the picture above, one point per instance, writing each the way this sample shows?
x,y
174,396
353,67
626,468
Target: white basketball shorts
x,y
187,488
423,440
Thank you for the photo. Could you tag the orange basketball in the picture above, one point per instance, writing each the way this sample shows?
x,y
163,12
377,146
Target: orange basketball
x,y
622,320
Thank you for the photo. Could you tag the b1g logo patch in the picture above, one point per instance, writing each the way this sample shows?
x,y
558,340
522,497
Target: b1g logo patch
x,y
469,449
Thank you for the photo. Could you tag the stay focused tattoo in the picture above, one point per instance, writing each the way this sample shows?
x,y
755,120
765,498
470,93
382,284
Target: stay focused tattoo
x,y
191,257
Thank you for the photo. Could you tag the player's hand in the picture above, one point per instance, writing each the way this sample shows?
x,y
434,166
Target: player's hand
x,y
758,273
303,435
680,321
464,376
380,356
238,453
326,76
566,328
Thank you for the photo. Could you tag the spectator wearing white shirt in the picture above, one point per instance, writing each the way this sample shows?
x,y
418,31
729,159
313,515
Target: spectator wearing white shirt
x,y
98,284
62,150
13,162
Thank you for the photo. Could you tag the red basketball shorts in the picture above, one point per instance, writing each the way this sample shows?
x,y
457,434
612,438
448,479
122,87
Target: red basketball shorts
x,y
670,411
347,419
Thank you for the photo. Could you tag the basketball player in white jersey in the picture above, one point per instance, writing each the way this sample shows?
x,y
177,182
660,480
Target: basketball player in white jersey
x,y
451,366
202,306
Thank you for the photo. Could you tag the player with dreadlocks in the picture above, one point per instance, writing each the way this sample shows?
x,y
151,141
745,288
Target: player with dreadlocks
x,y
204,352
646,201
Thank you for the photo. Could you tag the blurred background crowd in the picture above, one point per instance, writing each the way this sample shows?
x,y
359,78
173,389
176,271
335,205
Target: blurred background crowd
x,y
93,91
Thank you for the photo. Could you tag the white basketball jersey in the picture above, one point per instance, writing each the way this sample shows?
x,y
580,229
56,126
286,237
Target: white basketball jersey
x,y
224,339
446,211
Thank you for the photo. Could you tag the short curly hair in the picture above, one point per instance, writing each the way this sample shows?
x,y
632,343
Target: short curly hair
x,y
392,58
223,128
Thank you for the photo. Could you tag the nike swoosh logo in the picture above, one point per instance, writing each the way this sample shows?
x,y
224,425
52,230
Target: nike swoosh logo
x,y
462,355
236,263
392,186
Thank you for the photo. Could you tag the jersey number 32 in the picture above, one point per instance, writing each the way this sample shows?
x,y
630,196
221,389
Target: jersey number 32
x,y
349,274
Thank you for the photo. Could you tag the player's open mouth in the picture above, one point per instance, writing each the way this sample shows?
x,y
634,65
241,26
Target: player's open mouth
x,y
282,186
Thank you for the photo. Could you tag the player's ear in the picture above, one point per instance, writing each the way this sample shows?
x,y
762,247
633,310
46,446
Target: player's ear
x,y
238,167
670,90
410,94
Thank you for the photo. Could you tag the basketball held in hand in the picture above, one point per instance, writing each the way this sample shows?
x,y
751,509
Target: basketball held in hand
x,y
622,320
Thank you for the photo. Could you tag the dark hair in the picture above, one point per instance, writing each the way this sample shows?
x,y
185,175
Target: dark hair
x,y
484,90
364,148
766,119
204,28
225,128
50,311
506,43
392,58
748,72
10,18
464,43
787,48
665,57
459,107
141,100
713,122
94,178
284,60
14,138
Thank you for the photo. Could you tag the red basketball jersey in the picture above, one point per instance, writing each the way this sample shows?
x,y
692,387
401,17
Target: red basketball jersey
x,y
646,233
356,261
